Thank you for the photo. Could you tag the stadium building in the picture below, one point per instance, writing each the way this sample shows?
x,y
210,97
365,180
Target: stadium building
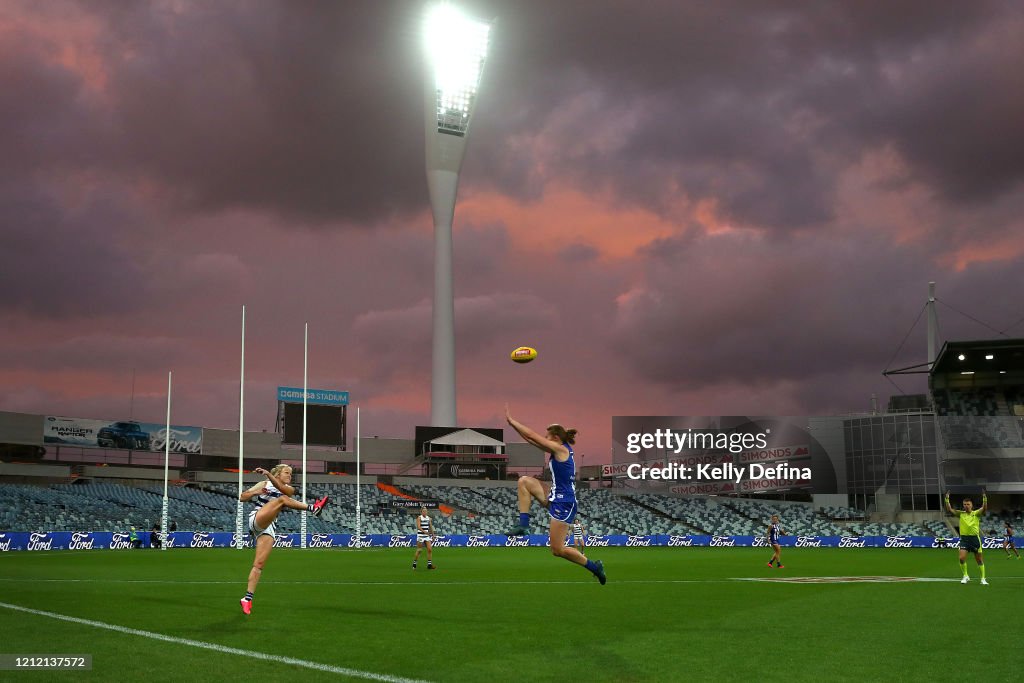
x,y
878,473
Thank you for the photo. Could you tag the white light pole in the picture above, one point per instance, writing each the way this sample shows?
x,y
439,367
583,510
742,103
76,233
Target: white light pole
x,y
456,49
167,462
933,325
359,509
239,511
305,423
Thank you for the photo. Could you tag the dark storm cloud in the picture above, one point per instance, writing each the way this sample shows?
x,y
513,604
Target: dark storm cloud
x,y
760,105
100,351
958,122
477,250
39,115
302,108
305,109
160,159
56,262
399,341
310,109
756,312
578,253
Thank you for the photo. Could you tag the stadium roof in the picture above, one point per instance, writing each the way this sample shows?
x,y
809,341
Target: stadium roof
x,y
466,437
989,355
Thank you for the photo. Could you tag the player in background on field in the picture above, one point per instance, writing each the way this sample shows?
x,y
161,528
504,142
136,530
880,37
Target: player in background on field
x,y
270,496
579,540
970,533
424,537
561,499
1008,541
774,531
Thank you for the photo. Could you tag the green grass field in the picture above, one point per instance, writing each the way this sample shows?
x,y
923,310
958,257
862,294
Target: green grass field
x,y
516,614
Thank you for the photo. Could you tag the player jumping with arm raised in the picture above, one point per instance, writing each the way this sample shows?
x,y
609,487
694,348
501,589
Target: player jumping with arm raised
x,y
561,500
270,496
970,533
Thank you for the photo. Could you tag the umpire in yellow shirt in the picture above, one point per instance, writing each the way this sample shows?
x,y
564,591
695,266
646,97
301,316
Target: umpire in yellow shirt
x,y
970,533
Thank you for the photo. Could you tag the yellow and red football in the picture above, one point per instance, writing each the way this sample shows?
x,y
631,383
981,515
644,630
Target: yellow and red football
x,y
524,354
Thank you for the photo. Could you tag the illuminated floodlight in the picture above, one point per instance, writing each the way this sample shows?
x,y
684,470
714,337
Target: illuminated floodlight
x,y
961,357
456,48
989,356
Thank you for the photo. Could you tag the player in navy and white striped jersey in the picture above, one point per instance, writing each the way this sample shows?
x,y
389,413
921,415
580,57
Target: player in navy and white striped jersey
x,y
775,530
270,496
561,499
579,541
424,537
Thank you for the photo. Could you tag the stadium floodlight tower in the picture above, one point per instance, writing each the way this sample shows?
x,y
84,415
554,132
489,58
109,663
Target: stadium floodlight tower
x,y
456,47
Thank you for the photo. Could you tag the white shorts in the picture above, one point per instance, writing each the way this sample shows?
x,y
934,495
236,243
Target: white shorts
x,y
577,539
424,538
256,531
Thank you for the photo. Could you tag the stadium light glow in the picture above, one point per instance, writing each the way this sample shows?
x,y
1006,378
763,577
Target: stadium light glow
x,y
989,357
961,357
456,49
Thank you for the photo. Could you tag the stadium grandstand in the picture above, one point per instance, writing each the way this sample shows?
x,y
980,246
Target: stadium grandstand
x,y
98,505
978,393
885,472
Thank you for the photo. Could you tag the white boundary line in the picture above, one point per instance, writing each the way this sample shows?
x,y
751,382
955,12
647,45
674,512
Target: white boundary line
x,y
326,668
585,582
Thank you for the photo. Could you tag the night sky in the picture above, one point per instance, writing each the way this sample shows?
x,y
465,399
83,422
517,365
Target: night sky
x,y
688,208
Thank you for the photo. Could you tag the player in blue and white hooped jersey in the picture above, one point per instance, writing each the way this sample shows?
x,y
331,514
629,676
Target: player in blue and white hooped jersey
x,y
560,499
775,530
1008,541
270,496
424,537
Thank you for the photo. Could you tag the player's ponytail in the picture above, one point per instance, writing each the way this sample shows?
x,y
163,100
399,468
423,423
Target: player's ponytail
x,y
563,434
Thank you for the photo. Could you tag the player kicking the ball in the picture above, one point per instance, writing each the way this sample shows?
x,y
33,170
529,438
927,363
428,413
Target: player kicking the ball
x,y
270,496
561,499
970,534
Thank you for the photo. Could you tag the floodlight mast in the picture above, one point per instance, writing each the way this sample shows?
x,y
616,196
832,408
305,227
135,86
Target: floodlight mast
x,y
456,49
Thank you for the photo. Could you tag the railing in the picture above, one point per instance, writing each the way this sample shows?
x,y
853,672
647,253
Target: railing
x,y
468,457
415,462
104,456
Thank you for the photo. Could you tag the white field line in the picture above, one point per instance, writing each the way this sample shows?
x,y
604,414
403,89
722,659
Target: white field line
x,y
325,668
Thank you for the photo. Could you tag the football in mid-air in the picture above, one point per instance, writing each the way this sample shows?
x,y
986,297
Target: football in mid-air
x,y
524,354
